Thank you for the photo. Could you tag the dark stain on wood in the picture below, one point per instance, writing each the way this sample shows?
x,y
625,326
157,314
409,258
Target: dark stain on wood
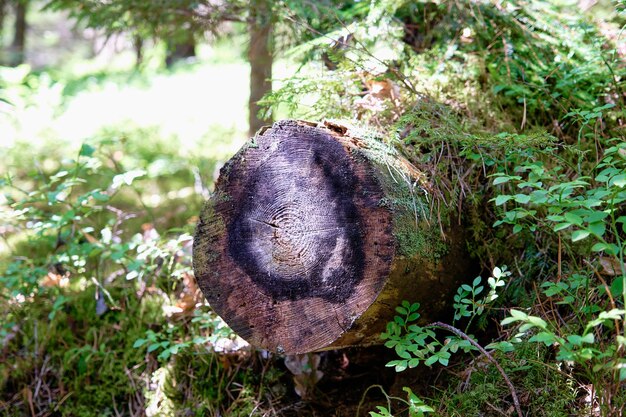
x,y
294,246
297,232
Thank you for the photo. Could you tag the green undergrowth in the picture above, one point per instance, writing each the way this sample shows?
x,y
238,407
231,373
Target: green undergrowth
x,y
514,113
99,309
77,360
475,388
457,156
198,384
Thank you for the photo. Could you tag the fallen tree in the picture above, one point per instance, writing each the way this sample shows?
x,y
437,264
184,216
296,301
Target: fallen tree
x,y
315,233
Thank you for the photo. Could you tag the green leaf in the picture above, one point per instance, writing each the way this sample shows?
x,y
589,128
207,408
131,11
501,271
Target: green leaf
x,y
414,362
413,317
139,343
501,346
400,351
604,107
597,229
127,177
501,199
618,180
561,226
598,247
575,340
99,196
614,314
516,315
588,338
537,321
431,360
501,180
520,315
579,235
546,338
508,320
617,287
522,198
573,218
86,150
497,272
596,216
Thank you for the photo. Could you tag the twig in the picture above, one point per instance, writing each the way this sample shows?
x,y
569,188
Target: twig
x,y
358,409
496,409
608,292
488,355
559,260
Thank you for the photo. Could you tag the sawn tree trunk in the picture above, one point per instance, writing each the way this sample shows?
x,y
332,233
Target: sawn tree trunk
x,y
315,233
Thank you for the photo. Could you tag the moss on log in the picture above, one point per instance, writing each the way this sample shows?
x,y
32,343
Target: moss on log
x,y
314,235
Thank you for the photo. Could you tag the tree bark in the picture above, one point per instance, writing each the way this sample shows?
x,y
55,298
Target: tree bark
x,y
138,46
3,11
315,234
18,46
260,58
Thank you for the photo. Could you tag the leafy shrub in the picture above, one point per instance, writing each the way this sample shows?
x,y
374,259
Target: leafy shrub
x,y
90,307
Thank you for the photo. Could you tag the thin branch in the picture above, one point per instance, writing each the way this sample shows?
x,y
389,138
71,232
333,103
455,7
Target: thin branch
x,y
488,355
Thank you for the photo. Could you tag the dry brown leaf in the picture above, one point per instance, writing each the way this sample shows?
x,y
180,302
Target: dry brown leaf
x,y
55,280
305,372
189,297
381,93
90,238
149,233
610,266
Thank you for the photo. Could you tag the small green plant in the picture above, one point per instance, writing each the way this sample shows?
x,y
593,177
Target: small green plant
x,y
416,344
579,208
416,406
207,327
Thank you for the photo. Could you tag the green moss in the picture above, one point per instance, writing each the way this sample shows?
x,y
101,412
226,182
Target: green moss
x,y
542,389
415,226
197,383
214,227
430,123
425,243
90,365
458,154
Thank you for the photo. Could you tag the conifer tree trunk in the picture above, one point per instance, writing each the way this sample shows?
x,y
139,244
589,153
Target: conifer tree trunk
x,y
18,46
138,46
3,6
315,234
260,58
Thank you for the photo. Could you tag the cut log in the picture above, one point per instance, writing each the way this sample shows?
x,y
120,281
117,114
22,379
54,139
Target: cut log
x,y
314,235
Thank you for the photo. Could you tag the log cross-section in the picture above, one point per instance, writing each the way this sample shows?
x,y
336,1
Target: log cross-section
x,y
299,239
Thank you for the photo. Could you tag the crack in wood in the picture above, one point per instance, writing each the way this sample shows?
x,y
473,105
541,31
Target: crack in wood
x,y
275,226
